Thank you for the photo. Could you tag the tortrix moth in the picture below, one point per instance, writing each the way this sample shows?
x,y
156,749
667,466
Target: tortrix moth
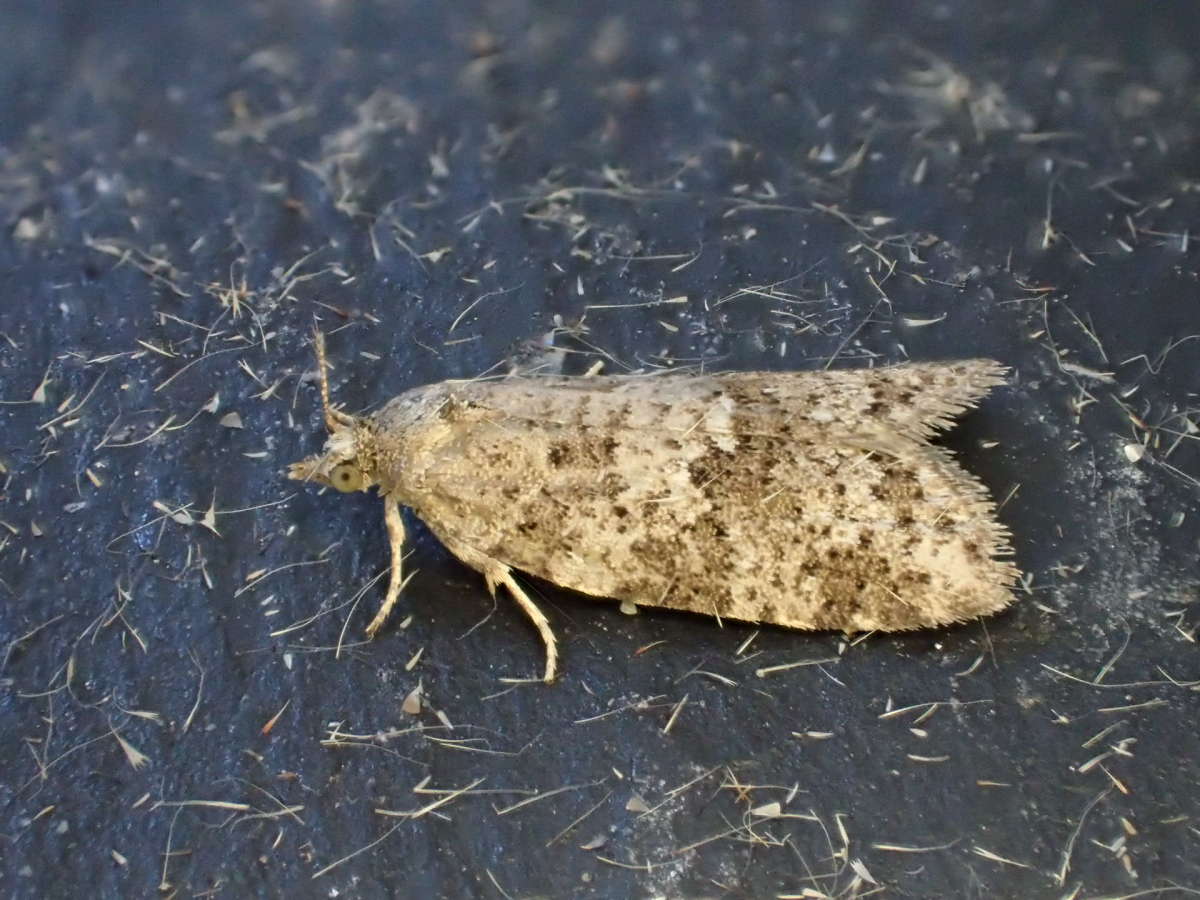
x,y
810,500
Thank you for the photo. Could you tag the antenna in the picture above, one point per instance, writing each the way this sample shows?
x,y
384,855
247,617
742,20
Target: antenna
x,y
335,419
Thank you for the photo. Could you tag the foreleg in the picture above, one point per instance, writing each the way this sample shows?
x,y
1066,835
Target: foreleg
x,y
395,531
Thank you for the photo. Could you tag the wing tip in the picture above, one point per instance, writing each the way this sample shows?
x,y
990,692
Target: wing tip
x,y
963,383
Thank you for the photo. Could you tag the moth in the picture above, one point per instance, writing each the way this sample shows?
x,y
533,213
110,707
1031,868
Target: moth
x,y
809,500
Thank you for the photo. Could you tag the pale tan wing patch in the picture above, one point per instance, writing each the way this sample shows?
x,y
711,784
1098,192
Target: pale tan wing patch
x,y
790,529
913,400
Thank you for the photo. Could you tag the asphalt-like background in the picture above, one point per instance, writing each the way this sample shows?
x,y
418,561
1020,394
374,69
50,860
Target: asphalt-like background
x,y
184,186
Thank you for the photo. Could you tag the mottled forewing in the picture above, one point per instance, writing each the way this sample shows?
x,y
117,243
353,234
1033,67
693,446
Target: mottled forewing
x,y
784,521
912,400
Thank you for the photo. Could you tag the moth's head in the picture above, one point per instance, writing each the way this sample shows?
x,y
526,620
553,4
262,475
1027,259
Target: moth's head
x,y
347,463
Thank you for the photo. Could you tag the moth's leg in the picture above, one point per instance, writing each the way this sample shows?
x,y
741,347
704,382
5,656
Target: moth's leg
x,y
495,572
395,530
504,576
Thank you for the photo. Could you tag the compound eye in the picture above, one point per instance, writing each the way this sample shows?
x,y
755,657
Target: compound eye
x,y
346,478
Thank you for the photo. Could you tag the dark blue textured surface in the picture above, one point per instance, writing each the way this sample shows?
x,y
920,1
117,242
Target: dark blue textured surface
x,y
390,166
